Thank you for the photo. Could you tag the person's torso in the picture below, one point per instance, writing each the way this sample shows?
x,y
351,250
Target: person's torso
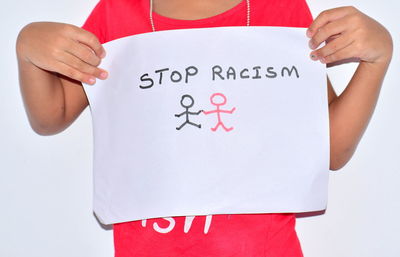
x,y
213,235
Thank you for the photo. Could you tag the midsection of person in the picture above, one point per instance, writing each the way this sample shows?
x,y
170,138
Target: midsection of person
x,y
214,235
54,58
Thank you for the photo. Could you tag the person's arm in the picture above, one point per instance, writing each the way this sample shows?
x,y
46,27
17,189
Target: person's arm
x,y
351,34
53,60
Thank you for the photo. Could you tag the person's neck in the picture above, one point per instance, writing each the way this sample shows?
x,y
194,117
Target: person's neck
x,y
192,9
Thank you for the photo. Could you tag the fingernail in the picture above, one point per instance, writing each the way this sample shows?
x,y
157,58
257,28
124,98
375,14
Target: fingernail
x,y
313,57
92,81
311,44
309,33
104,75
103,54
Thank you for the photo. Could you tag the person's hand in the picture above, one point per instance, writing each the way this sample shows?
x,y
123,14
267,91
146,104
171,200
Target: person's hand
x,y
349,33
62,48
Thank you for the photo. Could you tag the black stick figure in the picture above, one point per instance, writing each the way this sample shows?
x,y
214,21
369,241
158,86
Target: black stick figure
x,y
187,112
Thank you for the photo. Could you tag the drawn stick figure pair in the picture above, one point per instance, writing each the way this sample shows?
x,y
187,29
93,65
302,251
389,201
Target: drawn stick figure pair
x,y
215,101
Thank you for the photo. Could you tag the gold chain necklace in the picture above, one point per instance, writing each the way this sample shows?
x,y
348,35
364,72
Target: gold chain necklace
x,y
154,29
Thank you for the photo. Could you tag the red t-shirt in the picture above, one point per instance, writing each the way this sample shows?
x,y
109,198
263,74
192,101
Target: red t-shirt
x,y
236,235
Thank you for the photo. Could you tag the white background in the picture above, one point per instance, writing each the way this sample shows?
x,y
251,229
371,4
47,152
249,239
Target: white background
x,y
46,182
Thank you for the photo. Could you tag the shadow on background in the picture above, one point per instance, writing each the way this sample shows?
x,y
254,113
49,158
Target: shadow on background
x,y
105,227
310,214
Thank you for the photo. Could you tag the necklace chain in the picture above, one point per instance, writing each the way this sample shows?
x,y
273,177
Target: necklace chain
x,y
154,28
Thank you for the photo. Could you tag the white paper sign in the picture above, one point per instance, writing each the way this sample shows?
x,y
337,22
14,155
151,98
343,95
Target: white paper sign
x,y
209,121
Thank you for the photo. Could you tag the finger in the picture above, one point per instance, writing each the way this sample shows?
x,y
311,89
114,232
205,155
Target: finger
x,y
75,74
84,53
343,54
91,41
328,16
332,47
327,31
81,66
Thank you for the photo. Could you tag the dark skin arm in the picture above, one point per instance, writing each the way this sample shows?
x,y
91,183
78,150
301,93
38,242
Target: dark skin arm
x,y
53,60
350,33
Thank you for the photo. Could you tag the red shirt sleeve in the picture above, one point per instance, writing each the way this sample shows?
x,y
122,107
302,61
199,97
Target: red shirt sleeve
x,y
303,14
286,13
96,21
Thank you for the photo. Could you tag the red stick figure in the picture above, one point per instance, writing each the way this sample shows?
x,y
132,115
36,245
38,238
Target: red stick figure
x,y
215,102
